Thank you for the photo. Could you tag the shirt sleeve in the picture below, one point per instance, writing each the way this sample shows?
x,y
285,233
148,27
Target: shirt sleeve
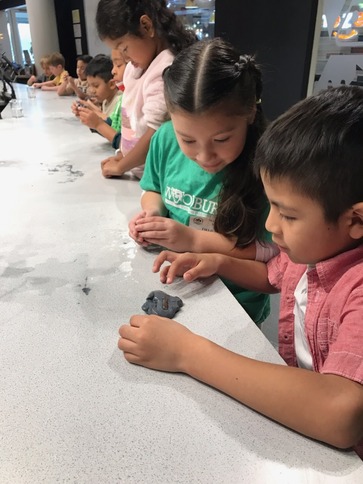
x,y
115,116
150,180
276,268
154,107
345,354
265,251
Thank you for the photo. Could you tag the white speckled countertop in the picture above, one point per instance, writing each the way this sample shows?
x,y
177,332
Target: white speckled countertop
x,y
71,408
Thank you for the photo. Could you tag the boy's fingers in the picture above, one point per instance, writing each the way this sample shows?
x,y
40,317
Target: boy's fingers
x,y
165,255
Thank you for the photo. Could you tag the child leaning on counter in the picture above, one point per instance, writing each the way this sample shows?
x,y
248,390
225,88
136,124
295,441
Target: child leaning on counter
x,y
56,66
104,90
78,86
45,76
148,34
200,192
311,163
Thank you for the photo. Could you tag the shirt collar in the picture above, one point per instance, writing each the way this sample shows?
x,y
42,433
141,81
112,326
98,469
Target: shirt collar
x,y
331,270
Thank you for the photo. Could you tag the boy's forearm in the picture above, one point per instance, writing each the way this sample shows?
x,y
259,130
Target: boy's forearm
x,y
77,91
49,88
48,83
106,130
64,90
250,274
203,241
325,407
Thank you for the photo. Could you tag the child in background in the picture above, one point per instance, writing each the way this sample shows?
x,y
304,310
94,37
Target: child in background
x,y
56,67
110,127
46,76
311,163
200,193
77,86
148,35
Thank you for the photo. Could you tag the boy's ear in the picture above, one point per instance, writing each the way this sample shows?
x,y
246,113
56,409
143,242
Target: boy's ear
x,y
356,227
146,25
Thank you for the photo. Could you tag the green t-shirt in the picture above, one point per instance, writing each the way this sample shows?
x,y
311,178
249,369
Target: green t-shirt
x,y
190,193
115,116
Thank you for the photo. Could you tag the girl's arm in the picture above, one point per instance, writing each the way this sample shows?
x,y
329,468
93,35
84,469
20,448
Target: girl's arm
x,y
117,166
152,204
176,236
322,406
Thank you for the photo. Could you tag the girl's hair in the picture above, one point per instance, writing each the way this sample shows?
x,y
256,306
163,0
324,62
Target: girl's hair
x,y
116,18
211,76
317,145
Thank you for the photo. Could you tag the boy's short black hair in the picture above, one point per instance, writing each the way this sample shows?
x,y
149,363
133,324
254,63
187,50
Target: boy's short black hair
x,y
318,146
100,66
85,58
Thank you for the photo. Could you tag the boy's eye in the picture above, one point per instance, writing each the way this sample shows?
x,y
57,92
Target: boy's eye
x,y
188,141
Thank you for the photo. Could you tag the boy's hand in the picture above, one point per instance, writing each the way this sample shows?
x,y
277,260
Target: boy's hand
x,y
89,118
163,231
111,166
95,108
75,107
189,265
70,80
154,342
37,85
32,79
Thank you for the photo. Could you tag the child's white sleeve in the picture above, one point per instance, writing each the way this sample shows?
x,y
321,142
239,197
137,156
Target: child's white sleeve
x,y
265,251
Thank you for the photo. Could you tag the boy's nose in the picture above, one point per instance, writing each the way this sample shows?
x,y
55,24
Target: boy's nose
x,y
271,223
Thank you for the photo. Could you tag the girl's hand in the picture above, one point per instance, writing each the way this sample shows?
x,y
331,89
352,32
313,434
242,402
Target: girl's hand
x,y
111,166
154,342
134,234
189,265
165,232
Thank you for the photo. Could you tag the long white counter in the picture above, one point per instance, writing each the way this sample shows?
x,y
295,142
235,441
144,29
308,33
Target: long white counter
x,y
71,408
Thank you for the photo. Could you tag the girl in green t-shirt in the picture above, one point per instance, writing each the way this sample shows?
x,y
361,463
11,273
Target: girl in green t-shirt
x,y
200,193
